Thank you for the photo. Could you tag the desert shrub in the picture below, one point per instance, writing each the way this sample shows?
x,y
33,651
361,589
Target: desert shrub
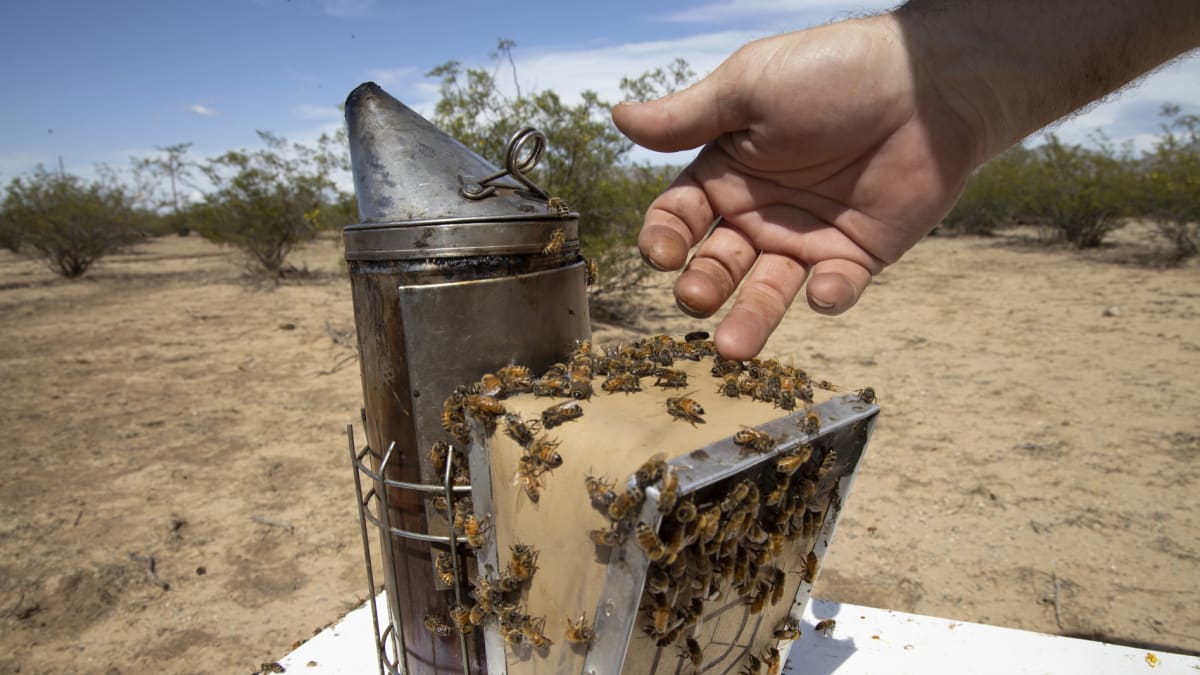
x,y
66,221
1170,183
996,195
1080,195
268,201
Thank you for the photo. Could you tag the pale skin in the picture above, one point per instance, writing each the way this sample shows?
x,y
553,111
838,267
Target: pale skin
x,y
830,152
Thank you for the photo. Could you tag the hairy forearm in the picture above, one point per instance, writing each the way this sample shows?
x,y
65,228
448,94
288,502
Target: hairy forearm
x,y
1009,67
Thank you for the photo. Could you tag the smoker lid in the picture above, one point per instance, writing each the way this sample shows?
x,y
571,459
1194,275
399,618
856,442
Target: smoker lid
x,y
422,193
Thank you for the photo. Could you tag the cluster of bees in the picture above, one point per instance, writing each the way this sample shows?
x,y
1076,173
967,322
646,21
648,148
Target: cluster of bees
x,y
723,539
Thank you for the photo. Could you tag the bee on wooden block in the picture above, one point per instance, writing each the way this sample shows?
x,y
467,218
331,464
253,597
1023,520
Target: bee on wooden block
x,y
811,566
650,543
612,536
490,385
685,511
670,379
475,531
730,386
788,463
725,367
773,661
533,630
643,368
484,407
581,383
516,379
579,632
827,463
524,561
625,502
521,431
555,246
563,412
825,626
753,439
478,615
866,395
600,491
658,582
529,472
685,408
552,385
438,626
626,382
545,450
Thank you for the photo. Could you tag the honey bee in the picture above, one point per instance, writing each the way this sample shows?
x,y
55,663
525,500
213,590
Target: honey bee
x,y
826,385
777,586
753,439
579,632
452,418
811,523
557,206
773,661
710,524
753,666
610,537
664,357
516,379
581,384
551,385
593,271
691,652
626,382
685,511
600,491
730,386
788,630
827,463
478,615
668,493
725,367
511,614
685,408
529,472
532,631
521,431
524,561
625,502
788,463
438,454
475,531
555,246
650,543
811,424
736,496
545,451
643,368
651,470
658,582
671,379
438,626
484,407
462,509
439,503
490,385
825,626
660,619
811,565
563,412
445,568
512,634
786,400
461,616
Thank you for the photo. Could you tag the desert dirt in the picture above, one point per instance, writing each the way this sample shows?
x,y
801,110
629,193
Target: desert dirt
x,y
176,495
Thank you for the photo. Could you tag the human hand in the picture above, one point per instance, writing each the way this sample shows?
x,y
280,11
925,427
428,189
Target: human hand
x,y
827,158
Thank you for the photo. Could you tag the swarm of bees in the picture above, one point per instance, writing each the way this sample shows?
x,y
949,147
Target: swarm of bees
x,y
719,540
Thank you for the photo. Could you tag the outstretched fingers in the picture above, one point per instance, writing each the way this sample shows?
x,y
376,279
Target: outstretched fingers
x,y
679,218
764,298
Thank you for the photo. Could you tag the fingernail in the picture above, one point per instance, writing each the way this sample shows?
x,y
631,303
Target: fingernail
x,y
821,303
650,261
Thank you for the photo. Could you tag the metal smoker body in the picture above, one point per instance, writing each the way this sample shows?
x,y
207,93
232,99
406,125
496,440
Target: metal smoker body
x,y
451,277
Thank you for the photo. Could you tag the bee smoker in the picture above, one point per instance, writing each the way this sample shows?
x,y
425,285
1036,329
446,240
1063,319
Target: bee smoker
x,y
457,267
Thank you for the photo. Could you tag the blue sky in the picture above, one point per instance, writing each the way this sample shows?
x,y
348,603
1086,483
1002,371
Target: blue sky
x,y
96,82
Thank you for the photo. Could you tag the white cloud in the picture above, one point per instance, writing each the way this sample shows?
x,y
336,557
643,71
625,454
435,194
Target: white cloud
x,y
741,10
386,77
13,164
201,109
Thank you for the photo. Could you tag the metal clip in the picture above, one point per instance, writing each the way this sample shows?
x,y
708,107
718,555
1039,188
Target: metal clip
x,y
518,160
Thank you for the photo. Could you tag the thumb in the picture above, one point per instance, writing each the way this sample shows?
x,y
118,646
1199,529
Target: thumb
x,y
680,121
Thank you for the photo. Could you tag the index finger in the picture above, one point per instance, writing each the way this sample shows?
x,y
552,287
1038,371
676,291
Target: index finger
x,y
679,218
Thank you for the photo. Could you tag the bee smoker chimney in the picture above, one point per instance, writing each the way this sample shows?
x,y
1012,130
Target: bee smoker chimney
x,y
457,267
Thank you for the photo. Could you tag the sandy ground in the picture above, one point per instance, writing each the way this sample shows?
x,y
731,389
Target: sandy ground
x,y
175,493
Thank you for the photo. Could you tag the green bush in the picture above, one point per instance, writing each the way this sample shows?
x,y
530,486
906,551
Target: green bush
x,y
66,221
1170,183
269,201
1079,194
995,196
